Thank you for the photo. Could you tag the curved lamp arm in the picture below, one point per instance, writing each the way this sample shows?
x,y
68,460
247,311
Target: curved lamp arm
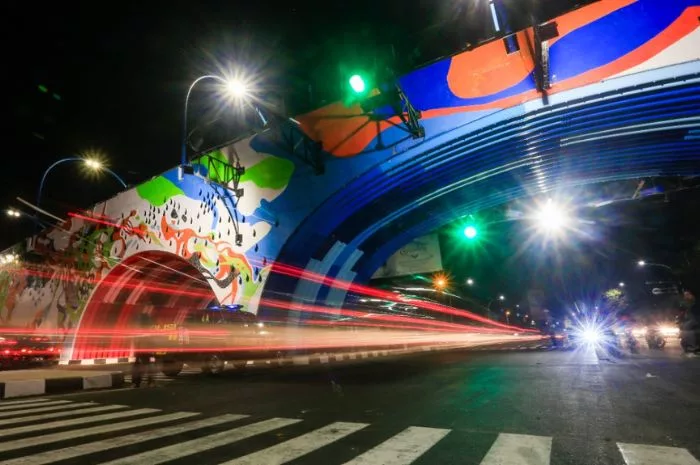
x,y
65,160
183,154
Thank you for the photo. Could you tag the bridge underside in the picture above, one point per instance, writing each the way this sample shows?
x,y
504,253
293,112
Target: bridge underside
x,y
629,127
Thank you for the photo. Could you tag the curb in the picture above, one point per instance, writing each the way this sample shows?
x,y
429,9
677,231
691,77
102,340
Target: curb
x,y
97,361
38,387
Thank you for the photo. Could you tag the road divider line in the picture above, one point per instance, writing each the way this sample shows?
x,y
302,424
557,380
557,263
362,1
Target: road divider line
x,y
518,449
294,448
29,411
184,449
641,454
403,448
20,404
121,441
47,416
79,433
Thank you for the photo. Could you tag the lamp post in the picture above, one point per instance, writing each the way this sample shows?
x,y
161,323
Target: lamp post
x,y
235,88
643,263
89,162
488,306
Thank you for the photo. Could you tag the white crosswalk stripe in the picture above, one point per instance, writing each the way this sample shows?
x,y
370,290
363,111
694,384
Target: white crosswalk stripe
x,y
295,448
166,454
29,405
29,411
13,404
516,449
73,434
128,440
640,454
403,448
48,416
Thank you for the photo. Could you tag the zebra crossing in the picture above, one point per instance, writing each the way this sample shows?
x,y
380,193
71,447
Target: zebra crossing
x,y
45,430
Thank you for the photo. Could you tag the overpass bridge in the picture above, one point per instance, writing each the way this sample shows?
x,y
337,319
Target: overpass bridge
x,y
287,218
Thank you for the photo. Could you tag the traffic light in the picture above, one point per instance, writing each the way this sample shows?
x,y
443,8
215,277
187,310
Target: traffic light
x,y
471,232
357,84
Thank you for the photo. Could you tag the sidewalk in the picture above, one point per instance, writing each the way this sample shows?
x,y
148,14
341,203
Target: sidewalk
x,y
22,383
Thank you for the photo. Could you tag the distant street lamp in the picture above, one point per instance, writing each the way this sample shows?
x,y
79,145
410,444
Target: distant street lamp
x,y
501,297
91,163
621,284
440,283
470,282
643,263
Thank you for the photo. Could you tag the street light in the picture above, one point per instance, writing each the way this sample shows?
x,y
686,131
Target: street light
x,y
621,284
551,218
91,163
235,88
501,297
13,213
470,282
643,263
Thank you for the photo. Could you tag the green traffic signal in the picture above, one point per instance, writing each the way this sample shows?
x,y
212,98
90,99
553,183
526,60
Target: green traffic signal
x,y
357,84
470,232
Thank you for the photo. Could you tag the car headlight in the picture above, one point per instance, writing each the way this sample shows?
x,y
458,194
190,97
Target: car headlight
x,y
592,335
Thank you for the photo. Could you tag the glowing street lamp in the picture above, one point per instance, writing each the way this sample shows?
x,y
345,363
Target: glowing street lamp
x,y
501,297
91,163
621,284
440,283
551,218
643,263
13,213
470,282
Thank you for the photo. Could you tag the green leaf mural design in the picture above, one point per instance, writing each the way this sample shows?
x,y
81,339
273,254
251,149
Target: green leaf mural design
x,y
158,190
270,173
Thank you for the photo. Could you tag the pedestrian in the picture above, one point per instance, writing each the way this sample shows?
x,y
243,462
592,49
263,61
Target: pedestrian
x,y
144,360
690,322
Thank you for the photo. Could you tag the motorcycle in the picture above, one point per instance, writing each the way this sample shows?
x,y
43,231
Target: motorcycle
x,y
632,342
654,339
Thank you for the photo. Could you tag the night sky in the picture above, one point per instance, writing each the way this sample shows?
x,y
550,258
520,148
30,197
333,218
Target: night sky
x,y
116,74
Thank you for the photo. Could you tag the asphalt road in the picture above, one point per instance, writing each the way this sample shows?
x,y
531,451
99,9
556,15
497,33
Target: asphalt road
x,y
494,407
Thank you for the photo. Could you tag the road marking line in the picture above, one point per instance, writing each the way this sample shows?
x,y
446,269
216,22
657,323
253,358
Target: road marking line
x,y
79,433
294,448
641,454
403,448
29,411
121,441
517,449
75,421
9,404
46,416
183,449
29,404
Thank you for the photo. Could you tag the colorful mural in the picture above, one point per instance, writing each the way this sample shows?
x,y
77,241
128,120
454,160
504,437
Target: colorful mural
x,y
490,134
49,282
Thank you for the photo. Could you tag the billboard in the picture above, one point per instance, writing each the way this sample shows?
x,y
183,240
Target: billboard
x,y
422,255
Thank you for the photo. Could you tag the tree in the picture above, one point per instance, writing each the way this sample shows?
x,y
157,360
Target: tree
x,y
615,300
